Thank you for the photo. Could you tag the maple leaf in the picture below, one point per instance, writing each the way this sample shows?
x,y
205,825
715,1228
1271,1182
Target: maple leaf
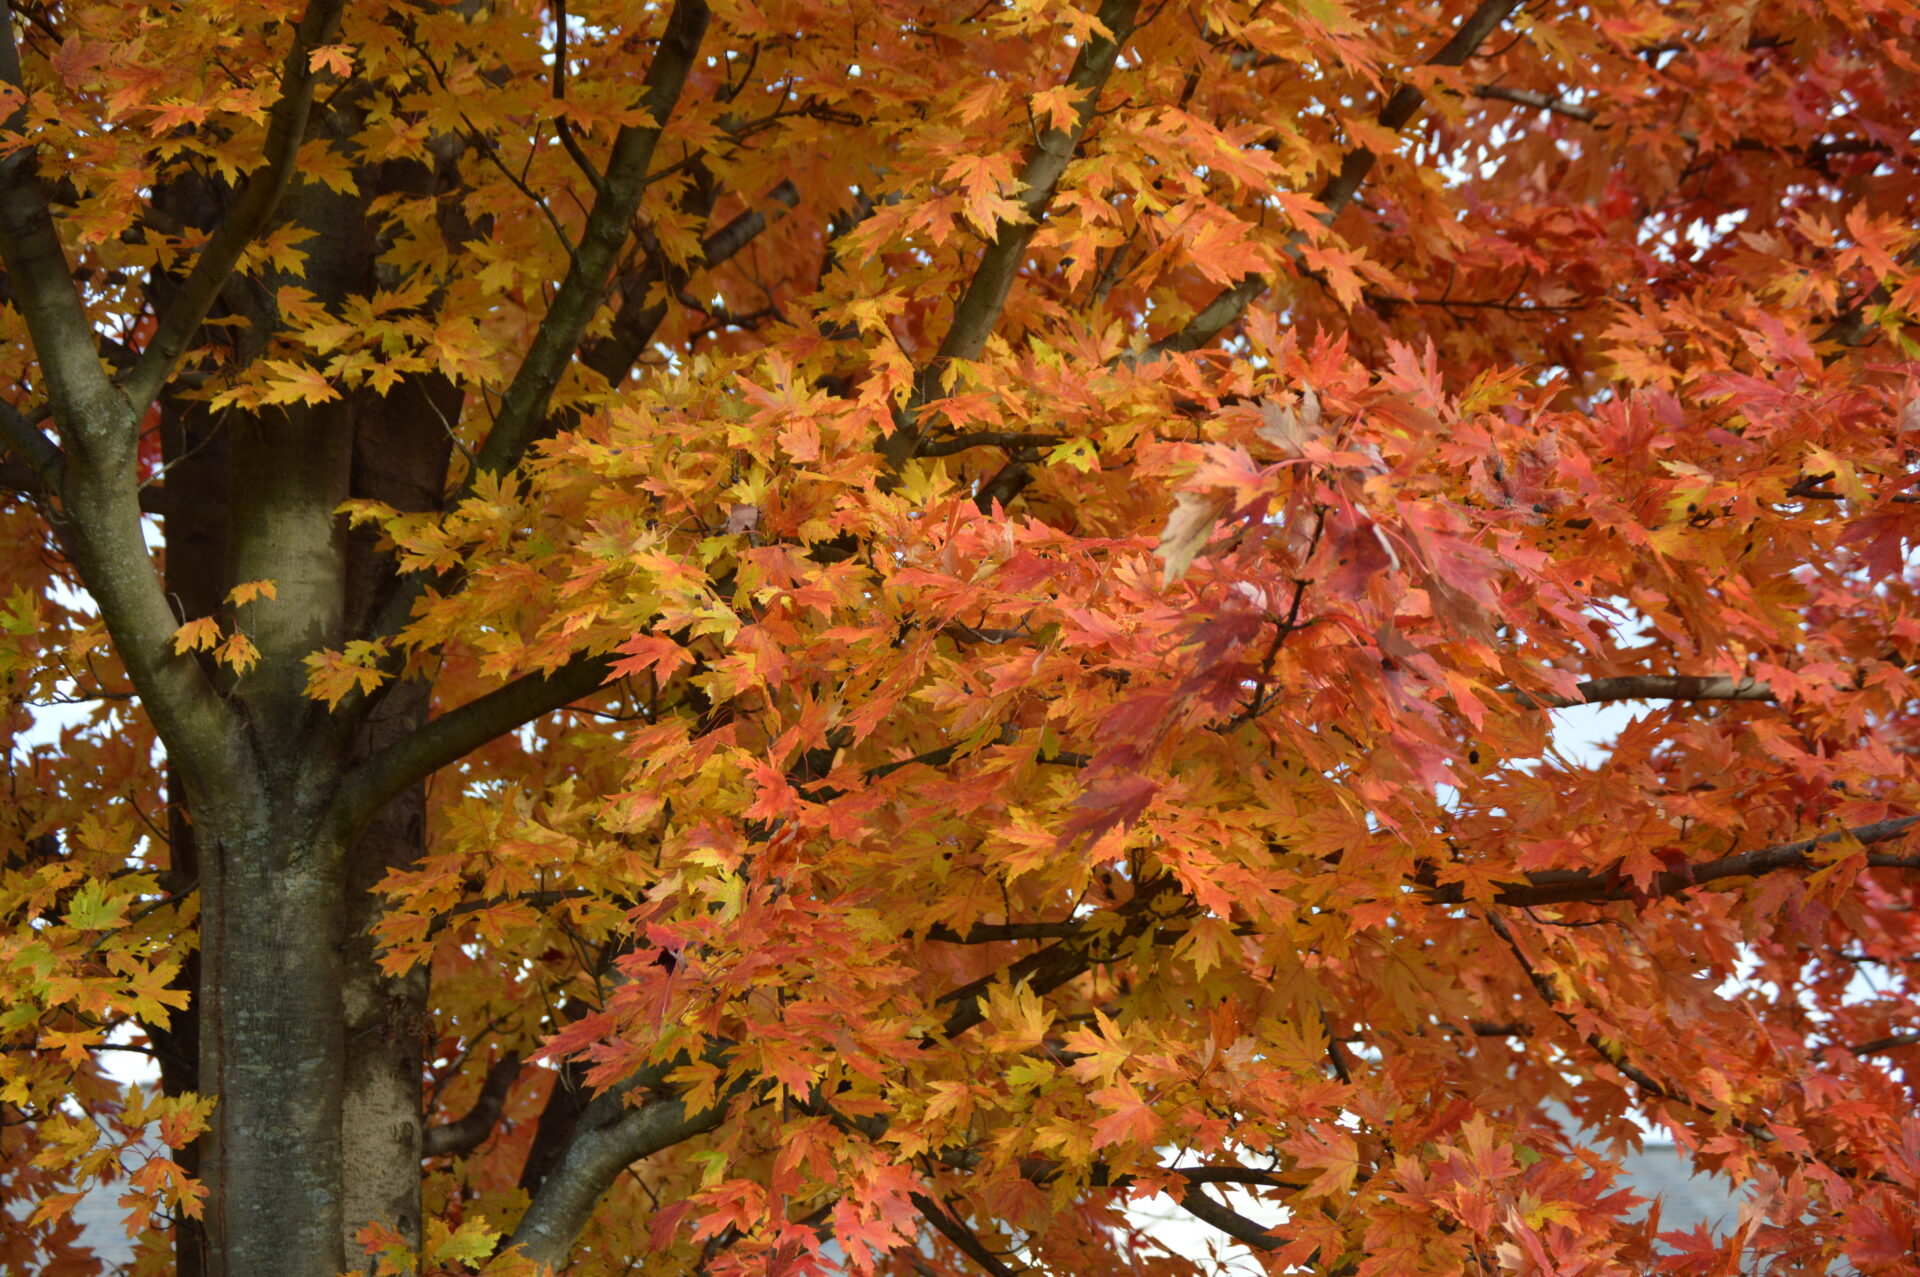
x,y
55,1207
332,676
1357,550
238,653
337,58
248,591
1189,527
197,635
289,383
1116,801
1290,427
648,653
1130,1120
1057,105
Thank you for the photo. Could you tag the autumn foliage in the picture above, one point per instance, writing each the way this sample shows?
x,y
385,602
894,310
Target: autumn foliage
x,y
738,636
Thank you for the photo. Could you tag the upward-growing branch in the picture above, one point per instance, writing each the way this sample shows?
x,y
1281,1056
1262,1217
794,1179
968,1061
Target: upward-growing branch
x,y
86,407
286,129
523,410
1230,304
42,455
613,355
980,306
610,1136
95,472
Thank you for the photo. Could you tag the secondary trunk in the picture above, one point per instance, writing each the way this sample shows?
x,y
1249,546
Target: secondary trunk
x,y
400,450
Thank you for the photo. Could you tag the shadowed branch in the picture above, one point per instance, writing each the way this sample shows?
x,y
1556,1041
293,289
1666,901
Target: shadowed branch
x,y
963,1238
471,1131
286,129
1561,886
609,1136
96,471
523,410
1651,687
1227,307
979,308
458,732
1231,1222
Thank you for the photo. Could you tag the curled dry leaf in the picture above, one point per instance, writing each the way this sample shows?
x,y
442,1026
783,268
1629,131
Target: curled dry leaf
x,y
1290,427
1189,527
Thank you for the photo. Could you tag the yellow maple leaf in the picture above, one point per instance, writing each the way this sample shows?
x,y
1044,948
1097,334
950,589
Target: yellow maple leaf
x,y
238,653
295,383
196,635
248,591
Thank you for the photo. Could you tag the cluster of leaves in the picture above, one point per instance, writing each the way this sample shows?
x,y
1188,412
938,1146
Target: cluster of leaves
x,y
1083,597
93,942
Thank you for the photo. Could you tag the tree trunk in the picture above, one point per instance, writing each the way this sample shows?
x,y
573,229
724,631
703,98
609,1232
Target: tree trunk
x,y
386,1025
314,1052
271,1044
401,446
273,872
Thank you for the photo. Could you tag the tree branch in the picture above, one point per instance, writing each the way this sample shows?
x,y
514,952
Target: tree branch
x,y
1651,687
1816,152
39,453
534,899
523,410
1878,1045
1047,969
1616,1056
1044,971
998,932
609,1137
745,228
1100,1175
1577,886
979,308
638,319
1850,327
523,414
960,1235
1539,101
1231,1222
98,482
286,129
87,406
1230,304
19,476
948,445
471,1131
1646,1083
608,1143
458,732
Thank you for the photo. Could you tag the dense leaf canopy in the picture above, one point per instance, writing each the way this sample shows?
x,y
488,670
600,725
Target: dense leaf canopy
x,y
989,621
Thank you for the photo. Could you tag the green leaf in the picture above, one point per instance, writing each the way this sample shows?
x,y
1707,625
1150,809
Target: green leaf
x,y
90,909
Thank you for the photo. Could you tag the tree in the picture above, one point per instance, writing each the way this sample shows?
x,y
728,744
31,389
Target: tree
x,y
705,627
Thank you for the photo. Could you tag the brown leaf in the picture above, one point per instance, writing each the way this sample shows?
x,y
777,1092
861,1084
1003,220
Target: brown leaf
x,y
1189,528
1290,427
